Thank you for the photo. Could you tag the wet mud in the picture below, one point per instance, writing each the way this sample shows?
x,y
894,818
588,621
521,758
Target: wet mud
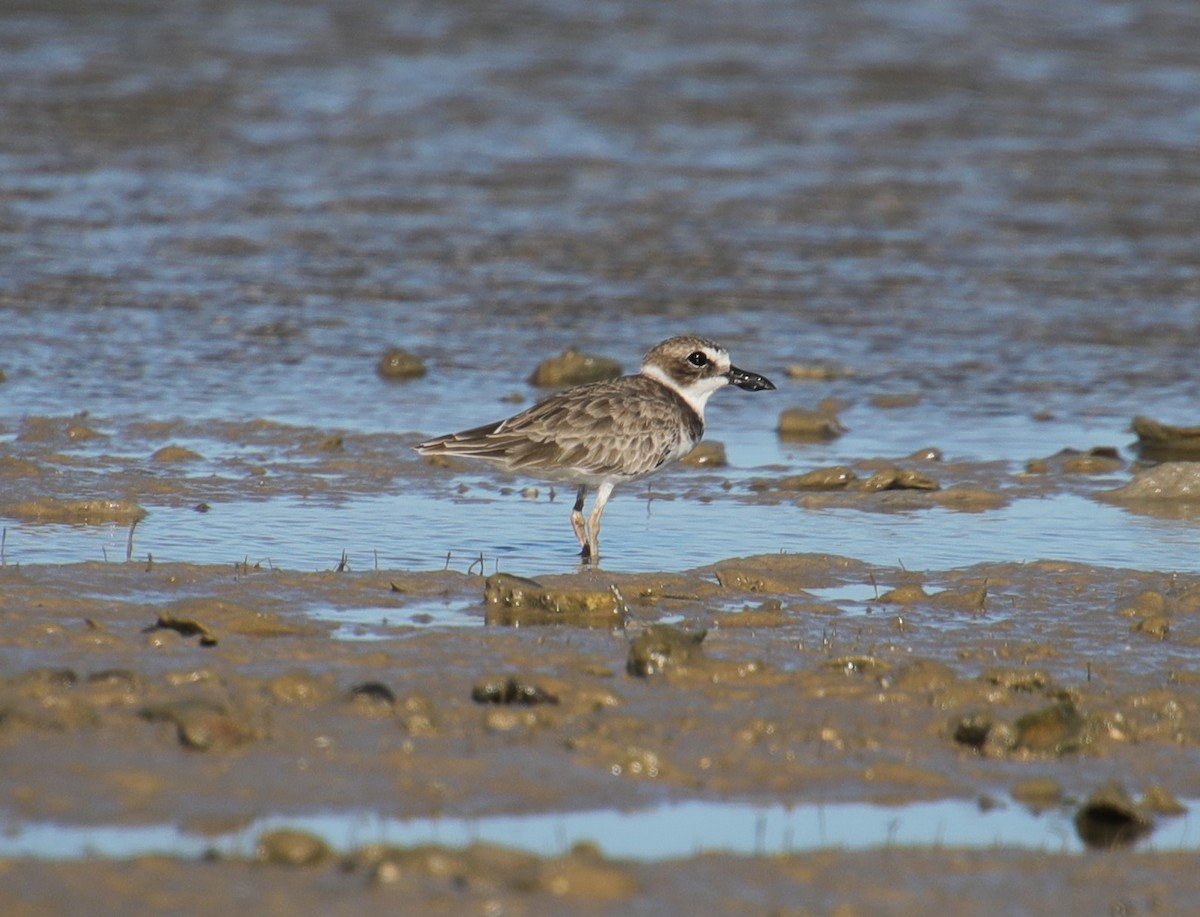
x,y
485,880
254,252
140,693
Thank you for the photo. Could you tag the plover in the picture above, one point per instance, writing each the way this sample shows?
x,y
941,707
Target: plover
x,y
606,433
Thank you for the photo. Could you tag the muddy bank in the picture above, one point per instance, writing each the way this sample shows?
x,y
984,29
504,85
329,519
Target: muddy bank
x,y
488,881
183,693
206,697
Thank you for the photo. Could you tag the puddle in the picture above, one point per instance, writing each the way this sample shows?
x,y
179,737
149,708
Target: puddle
x,y
670,831
372,623
851,598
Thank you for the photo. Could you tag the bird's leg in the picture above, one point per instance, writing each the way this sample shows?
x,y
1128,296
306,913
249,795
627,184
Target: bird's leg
x,y
577,522
603,492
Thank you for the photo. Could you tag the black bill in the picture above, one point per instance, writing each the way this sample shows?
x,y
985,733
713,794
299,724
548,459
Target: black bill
x,y
751,382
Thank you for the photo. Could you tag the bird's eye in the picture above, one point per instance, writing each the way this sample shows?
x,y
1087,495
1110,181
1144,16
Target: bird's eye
x,y
698,358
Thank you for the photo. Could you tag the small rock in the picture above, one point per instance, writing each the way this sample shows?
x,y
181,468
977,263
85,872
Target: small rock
x,y
187,627
397,363
898,479
1052,730
1162,801
708,454
802,423
202,725
1168,481
1110,819
904,595
1157,626
1157,439
372,694
175,454
662,645
1098,460
514,601
973,729
511,690
836,477
288,847
573,368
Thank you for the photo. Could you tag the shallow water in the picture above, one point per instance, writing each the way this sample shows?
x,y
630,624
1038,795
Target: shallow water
x,y
667,832
517,535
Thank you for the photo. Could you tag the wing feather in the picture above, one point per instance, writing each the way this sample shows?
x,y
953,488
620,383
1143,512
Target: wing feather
x,y
624,427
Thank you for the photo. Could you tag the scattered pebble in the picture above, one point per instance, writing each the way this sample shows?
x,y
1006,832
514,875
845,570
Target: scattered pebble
x,y
372,694
1162,801
835,477
1161,440
397,364
663,645
289,847
899,479
708,454
515,601
1053,730
1178,481
1111,819
175,454
803,423
511,690
573,368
